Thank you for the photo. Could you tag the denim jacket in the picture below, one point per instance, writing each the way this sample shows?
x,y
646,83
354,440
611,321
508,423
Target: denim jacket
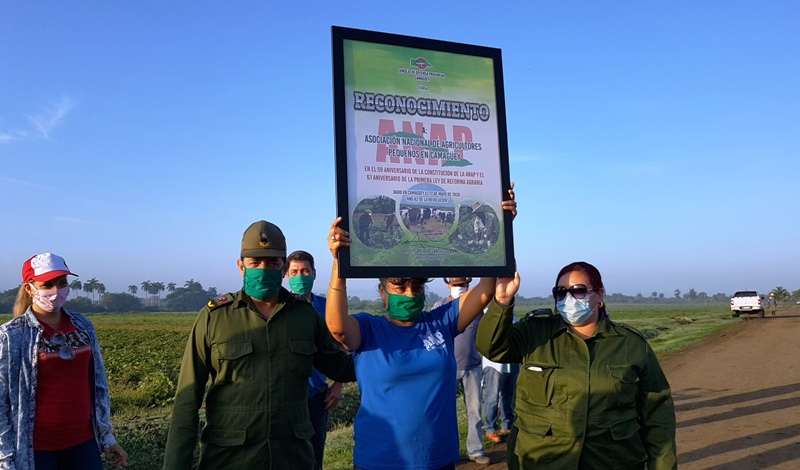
x,y
18,372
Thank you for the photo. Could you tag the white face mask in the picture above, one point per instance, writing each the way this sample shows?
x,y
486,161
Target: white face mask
x,y
458,291
575,311
50,300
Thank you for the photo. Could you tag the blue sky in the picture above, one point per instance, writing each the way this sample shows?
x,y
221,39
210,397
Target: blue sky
x,y
658,141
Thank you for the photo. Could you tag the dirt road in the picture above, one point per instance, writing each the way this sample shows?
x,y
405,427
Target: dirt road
x,y
737,398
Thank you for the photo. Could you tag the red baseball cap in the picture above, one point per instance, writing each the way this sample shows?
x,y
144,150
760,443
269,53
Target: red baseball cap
x,y
44,267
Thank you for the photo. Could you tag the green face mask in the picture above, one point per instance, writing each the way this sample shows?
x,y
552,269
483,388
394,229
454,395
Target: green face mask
x,y
301,284
262,284
404,308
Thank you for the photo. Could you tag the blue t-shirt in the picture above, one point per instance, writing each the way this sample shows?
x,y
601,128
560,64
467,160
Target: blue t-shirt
x,y
317,380
407,380
467,355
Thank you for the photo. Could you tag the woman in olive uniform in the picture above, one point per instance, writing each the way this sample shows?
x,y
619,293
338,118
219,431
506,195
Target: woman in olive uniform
x,y
590,393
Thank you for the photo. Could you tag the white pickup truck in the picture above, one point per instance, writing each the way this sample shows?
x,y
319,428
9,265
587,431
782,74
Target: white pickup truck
x,y
746,301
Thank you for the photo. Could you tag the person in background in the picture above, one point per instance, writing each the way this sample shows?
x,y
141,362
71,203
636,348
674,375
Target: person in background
x,y
55,408
772,303
468,366
499,381
479,227
405,365
590,394
364,225
258,346
300,273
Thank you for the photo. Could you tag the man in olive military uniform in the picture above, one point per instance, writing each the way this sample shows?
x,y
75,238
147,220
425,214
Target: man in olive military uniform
x,y
258,347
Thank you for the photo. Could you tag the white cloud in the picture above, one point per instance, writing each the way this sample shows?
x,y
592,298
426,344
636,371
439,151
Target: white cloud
x,y
52,116
42,123
12,136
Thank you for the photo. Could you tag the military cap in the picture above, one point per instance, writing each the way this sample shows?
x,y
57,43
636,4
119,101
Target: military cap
x,y
458,280
263,239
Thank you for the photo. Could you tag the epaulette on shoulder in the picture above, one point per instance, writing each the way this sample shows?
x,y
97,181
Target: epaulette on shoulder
x,y
539,312
540,320
630,328
217,302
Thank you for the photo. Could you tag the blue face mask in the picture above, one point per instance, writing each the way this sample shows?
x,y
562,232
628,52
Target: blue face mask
x,y
575,311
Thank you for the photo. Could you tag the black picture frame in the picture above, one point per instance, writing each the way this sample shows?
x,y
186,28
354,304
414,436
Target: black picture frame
x,y
351,268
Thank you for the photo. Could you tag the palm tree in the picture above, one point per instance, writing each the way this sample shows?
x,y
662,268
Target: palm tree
x,y
91,286
88,286
75,286
158,288
100,288
171,287
133,289
781,293
147,287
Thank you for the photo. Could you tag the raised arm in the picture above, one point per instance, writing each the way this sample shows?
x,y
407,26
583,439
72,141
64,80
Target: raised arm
x,y
495,331
344,328
510,204
476,299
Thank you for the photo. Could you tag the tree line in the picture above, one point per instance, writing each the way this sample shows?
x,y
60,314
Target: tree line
x,y
192,297
189,298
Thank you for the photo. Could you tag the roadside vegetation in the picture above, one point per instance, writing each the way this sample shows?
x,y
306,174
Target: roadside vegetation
x,y
142,354
91,297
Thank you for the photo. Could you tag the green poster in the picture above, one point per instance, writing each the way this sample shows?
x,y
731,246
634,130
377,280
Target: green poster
x,y
424,156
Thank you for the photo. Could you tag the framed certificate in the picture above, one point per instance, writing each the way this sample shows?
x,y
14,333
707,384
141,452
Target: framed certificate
x,y
421,157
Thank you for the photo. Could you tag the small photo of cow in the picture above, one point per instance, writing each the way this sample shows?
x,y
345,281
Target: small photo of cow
x,y
478,228
427,222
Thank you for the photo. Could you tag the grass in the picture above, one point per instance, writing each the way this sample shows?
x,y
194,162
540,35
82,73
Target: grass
x,y
667,328
142,354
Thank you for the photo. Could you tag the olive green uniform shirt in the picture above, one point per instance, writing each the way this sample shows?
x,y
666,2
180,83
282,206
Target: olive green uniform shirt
x,y
257,399
602,403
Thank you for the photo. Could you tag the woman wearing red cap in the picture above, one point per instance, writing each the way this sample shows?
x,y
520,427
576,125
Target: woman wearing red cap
x,y
54,401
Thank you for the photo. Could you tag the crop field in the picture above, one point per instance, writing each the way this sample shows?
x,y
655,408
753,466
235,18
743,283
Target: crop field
x,y
142,354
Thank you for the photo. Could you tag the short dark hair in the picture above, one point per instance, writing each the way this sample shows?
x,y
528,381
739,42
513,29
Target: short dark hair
x,y
401,281
405,282
300,255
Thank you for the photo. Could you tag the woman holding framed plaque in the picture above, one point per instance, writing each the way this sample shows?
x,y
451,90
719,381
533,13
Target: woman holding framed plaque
x,y
405,365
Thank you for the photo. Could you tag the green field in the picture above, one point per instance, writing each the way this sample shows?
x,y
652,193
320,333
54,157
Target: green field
x,y
142,353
